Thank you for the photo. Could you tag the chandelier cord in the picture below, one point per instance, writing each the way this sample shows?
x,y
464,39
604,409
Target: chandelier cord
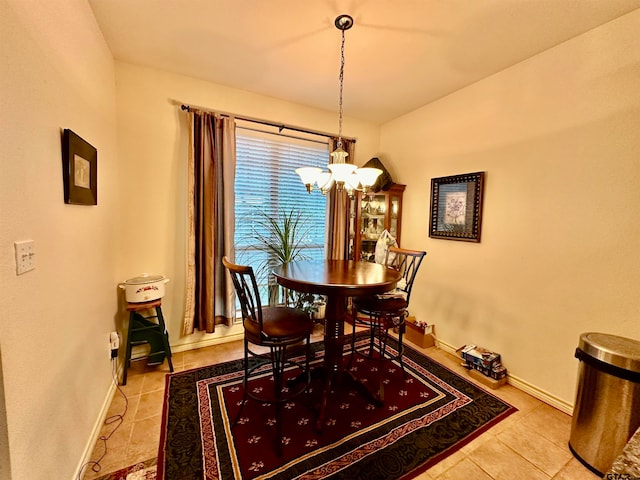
x,y
341,173
341,78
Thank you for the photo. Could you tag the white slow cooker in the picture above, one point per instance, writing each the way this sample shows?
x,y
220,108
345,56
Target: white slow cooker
x,y
144,288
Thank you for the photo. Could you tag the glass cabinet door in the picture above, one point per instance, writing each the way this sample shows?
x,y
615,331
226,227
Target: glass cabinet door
x,y
373,214
394,207
372,223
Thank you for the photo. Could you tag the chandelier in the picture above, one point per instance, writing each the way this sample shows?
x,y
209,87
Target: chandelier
x,y
341,174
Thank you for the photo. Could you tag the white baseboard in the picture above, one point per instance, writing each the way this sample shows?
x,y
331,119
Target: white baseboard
x,y
523,385
184,347
540,394
93,439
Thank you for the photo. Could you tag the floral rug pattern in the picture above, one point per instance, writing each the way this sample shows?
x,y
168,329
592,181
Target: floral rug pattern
x,y
426,415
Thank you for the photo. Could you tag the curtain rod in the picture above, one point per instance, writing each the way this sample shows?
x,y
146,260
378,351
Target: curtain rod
x,y
324,141
279,126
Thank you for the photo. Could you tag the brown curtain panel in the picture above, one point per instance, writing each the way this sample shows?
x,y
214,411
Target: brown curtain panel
x,y
211,171
338,211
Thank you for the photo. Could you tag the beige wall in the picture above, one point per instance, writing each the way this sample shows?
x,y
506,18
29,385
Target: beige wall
x,y
153,143
54,321
558,136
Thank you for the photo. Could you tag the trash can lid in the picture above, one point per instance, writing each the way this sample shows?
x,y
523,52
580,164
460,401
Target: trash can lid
x,y
619,351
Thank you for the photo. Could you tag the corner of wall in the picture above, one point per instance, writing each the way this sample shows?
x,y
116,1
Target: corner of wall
x,y
5,459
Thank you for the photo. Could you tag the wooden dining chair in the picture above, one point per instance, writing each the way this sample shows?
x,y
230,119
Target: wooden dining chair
x,y
383,312
279,328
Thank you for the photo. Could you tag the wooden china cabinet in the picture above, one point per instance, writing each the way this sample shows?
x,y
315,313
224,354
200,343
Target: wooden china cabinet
x,y
370,215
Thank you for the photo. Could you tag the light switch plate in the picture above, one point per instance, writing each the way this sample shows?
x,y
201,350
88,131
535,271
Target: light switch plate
x,y
25,256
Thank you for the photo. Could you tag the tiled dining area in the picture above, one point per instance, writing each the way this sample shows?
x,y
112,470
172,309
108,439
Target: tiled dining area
x,y
531,444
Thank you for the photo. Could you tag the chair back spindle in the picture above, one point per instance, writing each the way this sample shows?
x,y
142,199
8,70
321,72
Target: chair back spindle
x,y
244,282
407,262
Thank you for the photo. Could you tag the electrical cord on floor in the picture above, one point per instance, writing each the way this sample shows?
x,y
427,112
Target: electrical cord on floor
x,y
118,419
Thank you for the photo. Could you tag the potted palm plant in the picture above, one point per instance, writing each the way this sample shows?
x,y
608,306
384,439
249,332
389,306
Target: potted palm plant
x,y
281,238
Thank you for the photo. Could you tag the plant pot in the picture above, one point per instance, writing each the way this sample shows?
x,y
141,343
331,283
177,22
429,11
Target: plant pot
x,y
320,311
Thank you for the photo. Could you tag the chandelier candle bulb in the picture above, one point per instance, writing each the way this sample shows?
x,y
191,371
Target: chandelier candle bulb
x,y
325,182
341,172
368,176
308,175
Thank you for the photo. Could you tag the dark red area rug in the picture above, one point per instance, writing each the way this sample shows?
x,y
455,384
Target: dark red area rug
x,y
427,414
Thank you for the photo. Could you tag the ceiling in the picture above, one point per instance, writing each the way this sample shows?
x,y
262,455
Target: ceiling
x,y
399,55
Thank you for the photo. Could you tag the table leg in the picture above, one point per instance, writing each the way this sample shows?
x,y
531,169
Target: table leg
x,y
334,332
334,373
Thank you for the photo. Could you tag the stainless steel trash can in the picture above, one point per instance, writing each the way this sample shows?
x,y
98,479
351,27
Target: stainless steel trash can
x,y
607,408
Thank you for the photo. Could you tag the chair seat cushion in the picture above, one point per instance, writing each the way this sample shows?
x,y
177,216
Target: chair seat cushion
x,y
397,293
280,323
375,303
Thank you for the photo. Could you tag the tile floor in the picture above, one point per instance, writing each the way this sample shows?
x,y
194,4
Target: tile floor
x,y
530,444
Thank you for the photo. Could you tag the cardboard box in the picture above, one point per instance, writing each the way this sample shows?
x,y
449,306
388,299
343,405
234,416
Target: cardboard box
x,y
422,337
488,381
482,360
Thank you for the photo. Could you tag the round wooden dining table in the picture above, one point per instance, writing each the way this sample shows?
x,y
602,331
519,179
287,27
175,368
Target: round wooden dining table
x,y
337,280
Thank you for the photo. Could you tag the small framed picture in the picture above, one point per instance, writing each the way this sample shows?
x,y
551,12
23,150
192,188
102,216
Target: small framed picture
x,y
79,170
456,207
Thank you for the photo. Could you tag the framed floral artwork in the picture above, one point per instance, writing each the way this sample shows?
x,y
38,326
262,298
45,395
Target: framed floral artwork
x,y
456,207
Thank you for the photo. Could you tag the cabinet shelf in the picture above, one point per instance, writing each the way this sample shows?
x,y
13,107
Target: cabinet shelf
x,y
364,224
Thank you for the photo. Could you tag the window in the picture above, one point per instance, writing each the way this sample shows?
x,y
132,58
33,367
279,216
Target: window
x,y
266,185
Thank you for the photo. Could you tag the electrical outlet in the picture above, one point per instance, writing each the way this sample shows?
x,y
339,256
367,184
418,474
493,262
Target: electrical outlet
x,y
25,256
114,340
114,344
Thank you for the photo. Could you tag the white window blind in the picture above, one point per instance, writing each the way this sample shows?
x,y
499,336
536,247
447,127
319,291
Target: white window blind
x,y
266,184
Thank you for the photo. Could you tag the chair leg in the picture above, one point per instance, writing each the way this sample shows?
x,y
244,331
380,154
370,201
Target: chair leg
x,y
402,328
383,334
374,333
307,362
353,340
278,360
245,381
278,356
401,351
